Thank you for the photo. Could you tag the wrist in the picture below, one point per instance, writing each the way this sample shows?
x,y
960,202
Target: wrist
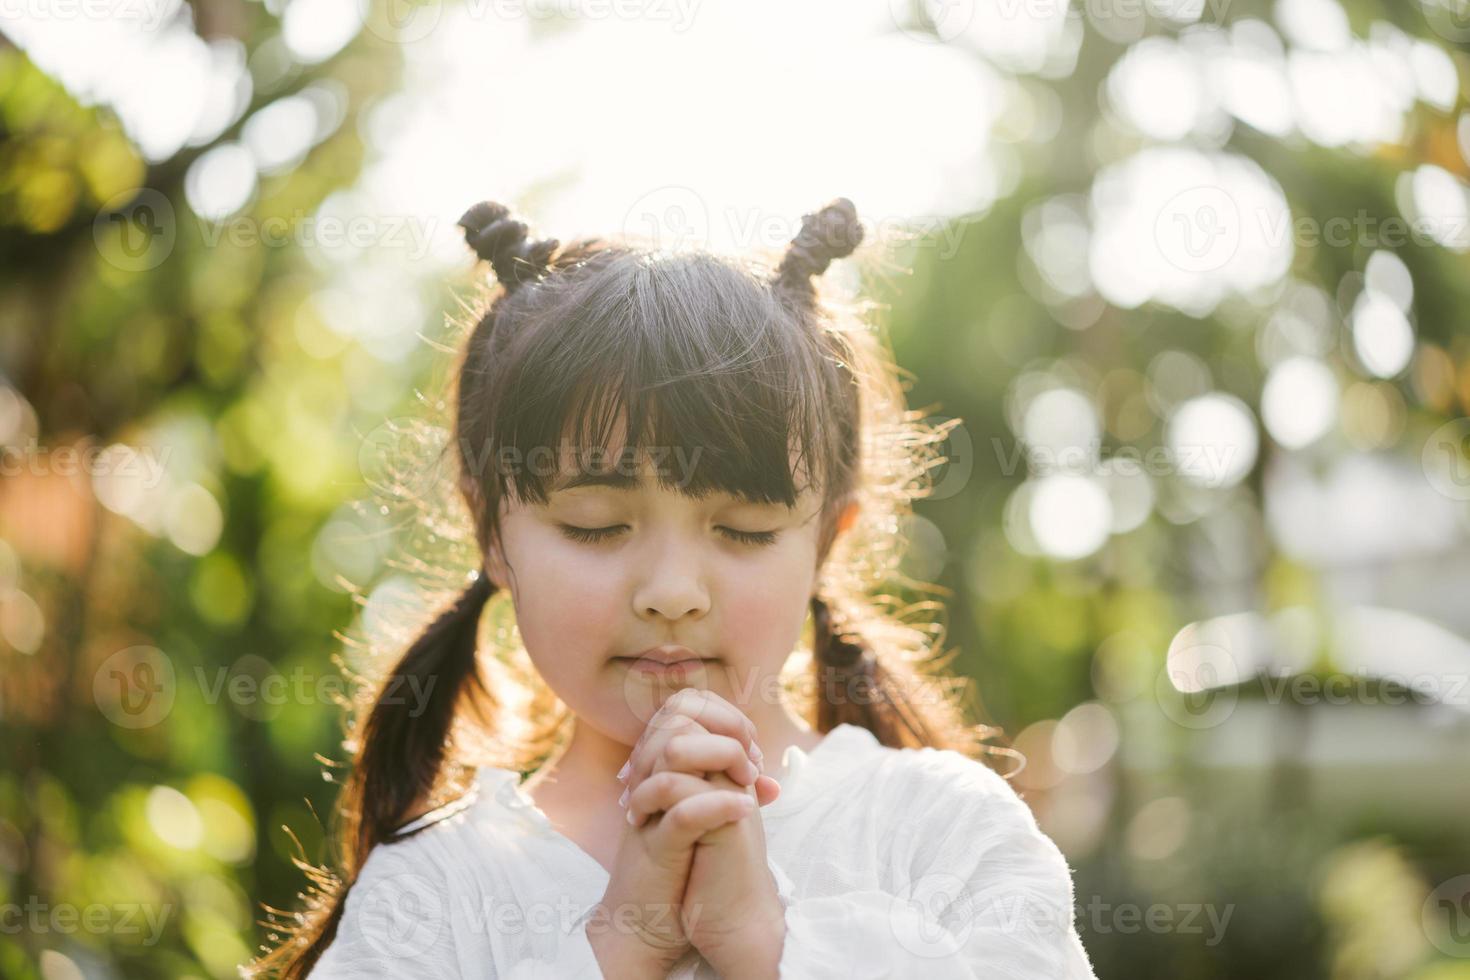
x,y
752,952
621,956
627,947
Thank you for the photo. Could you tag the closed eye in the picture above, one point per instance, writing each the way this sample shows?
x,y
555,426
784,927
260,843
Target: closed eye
x,y
749,537
593,535
589,535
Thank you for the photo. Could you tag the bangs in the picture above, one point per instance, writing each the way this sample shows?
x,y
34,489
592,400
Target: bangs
x,y
680,363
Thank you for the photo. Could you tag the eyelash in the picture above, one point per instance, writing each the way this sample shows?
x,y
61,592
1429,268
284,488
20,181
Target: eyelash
x,y
593,535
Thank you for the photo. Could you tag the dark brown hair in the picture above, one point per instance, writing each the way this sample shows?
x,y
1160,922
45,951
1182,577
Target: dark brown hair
x,y
736,361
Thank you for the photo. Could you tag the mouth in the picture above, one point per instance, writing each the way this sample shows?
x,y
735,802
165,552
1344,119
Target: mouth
x,y
665,660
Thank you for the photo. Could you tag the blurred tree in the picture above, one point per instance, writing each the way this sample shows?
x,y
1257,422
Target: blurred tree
x,y
183,415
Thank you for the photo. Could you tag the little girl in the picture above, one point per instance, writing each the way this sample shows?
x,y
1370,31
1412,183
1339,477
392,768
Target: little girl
x,y
670,460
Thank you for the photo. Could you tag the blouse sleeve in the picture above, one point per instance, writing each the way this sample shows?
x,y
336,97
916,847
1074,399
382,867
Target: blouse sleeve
x,y
976,889
411,915
395,923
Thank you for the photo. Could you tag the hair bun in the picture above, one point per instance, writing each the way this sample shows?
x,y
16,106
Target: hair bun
x,y
502,241
831,233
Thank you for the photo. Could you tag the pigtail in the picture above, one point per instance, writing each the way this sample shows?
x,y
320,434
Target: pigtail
x,y
404,739
403,744
895,697
833,232
399,758
502,241
856,687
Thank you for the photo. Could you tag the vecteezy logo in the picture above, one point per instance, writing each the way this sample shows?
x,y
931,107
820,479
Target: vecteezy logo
x,y
402,916
1446,459
669,218
135,230
1196,689
397,459
134,688
933,916
646,693
942,20
1198,230
401,21
1450,19
958,457
1446,917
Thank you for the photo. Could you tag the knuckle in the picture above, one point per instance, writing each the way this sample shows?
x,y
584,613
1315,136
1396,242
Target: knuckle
x,y
676,748
681,816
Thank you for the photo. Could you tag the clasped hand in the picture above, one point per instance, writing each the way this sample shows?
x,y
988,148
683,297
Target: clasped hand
x,y
698,754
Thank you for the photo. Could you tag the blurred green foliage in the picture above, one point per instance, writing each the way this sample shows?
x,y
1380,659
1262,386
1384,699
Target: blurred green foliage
x,y
234,568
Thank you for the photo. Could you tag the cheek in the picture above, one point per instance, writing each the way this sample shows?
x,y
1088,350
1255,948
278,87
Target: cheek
x,y
567,606
764,612
556,577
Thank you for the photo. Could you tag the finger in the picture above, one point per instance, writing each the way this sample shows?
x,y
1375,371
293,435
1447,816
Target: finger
x,y
702,752
695,816
677,706
766,789
641,764
720,716
662,791
645,760
711,711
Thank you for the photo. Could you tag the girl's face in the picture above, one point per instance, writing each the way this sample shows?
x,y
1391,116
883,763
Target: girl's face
x,y
604,572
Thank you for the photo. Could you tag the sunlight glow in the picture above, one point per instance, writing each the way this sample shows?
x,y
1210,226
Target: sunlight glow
x,y
168,86
1213,439
314,30
1320,25
1438,203
174,818
1024,37
1365,507
1156,87
1070,515
1187,229
1382,337
279,134
1299,401
220,182
1386,275
1250,77
1061,419
674,168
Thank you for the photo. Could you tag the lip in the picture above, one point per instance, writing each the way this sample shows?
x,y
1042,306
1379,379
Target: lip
x,y
664,660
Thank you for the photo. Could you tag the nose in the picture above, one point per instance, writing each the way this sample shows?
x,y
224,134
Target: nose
x,y
673,588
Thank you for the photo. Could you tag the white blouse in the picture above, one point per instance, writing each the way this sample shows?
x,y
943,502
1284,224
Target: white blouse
x,y
888,863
